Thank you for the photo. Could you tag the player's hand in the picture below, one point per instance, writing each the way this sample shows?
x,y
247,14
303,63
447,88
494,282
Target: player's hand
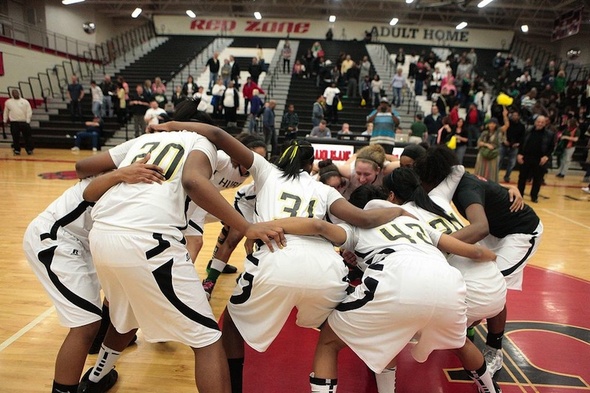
x,y
516,199
140,172
349,257
249,246
267,232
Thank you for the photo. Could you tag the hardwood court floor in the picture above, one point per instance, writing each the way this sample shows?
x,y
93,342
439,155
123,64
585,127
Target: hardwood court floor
x,y
30,334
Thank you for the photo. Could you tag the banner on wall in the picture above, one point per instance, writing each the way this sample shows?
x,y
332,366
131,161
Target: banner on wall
x,y
316,29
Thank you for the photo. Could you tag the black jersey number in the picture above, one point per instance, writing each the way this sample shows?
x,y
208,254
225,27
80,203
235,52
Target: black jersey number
x,y
168,156
443,225
411,233
293,208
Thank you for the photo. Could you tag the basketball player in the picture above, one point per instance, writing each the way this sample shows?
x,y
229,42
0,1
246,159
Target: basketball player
x,y
56,247
274,283
513,234
407,289
140,255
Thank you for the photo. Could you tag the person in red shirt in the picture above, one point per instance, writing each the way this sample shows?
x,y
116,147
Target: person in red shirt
x,y
248,92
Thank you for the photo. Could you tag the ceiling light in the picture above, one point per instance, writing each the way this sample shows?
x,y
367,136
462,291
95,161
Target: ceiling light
x,y
68,2
483,3
257,15
332,18
409,1
136,12
191,14
524,28
461,26
393,22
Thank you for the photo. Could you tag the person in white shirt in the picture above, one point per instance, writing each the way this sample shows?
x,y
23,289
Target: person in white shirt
x,y
331,96
18,111
202,99
154,114
97,98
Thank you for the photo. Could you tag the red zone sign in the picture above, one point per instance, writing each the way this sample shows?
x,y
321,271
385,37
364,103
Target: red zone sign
x,y
251,26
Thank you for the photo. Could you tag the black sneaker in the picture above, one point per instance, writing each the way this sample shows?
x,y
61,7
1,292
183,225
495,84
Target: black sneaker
x,y
107,382
30,152
16,152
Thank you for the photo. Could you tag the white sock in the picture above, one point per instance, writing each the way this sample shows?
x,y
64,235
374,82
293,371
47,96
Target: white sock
x,y
104,363
483,379
322,385
386,380
217,264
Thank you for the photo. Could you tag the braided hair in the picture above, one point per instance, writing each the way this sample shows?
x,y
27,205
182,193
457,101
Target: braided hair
x,y
296,157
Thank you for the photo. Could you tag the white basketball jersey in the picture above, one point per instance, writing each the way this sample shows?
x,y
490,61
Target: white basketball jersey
x,y
402,235
153,208
71,212
279,197
225,174
245,201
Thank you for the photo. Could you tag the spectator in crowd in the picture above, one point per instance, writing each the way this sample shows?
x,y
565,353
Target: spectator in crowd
x,y
231,101
298,69
566,145
286,55
93,131
364,71
366,93
369,130
434,84
377,90
534,154
489,142
398,82
345,131
138,105
317,113
332,96
352,77
461,140
321,130
290,123
75,94
217,94
121,107
509,149
235,71
418,130
18,111
385,121
400,58
97,98
190,87
214,66
255,70
226,72
256,108
268,127
247,91
108,93
433,123
178,96
202,100
420,77
147,89
154,113
474,121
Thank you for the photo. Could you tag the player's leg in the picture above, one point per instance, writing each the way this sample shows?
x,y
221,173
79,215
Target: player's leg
x,y
194,245
211,370
227,241
324,377
233,343
474,364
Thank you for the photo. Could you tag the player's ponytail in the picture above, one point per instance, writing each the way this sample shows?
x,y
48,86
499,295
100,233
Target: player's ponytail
x,y
406,186
298,156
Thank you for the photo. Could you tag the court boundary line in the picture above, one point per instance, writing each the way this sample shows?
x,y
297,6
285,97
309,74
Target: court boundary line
x,y
26,328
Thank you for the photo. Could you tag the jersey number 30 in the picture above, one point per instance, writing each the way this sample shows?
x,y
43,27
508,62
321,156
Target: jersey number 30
x,y
168,156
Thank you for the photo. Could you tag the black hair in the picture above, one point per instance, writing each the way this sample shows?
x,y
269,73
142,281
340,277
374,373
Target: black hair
x,y
406,185
434,166
365,193
296,156
327,170
187,111
251,141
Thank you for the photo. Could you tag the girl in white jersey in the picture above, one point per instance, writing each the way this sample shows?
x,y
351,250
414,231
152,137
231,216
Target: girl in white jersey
x,y
274,283
139,251
56,247
407,288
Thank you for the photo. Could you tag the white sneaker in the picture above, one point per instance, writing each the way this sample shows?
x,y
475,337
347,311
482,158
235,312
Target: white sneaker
x,y
494,359
586,189
75,148
94,149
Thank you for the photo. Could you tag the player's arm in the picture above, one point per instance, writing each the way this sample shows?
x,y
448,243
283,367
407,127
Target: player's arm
x,y
95,165
475,252
234,148
478,227
371,218
313,227
195,180
138,172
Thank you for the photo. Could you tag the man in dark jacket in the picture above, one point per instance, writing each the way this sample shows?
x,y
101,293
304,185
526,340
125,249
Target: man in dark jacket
x,y
534,155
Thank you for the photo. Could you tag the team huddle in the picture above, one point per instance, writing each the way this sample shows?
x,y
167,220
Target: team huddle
x,y
133,227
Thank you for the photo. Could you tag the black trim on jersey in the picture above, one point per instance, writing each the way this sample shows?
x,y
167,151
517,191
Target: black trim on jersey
x,y
512,269
186,204
246,291
241,196
46,258
67,219
361,254
371,285
253,259
385,251
192,224
162,245
163,276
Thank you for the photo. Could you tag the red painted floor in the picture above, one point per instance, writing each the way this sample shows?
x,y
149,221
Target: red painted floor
x,y
546,350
